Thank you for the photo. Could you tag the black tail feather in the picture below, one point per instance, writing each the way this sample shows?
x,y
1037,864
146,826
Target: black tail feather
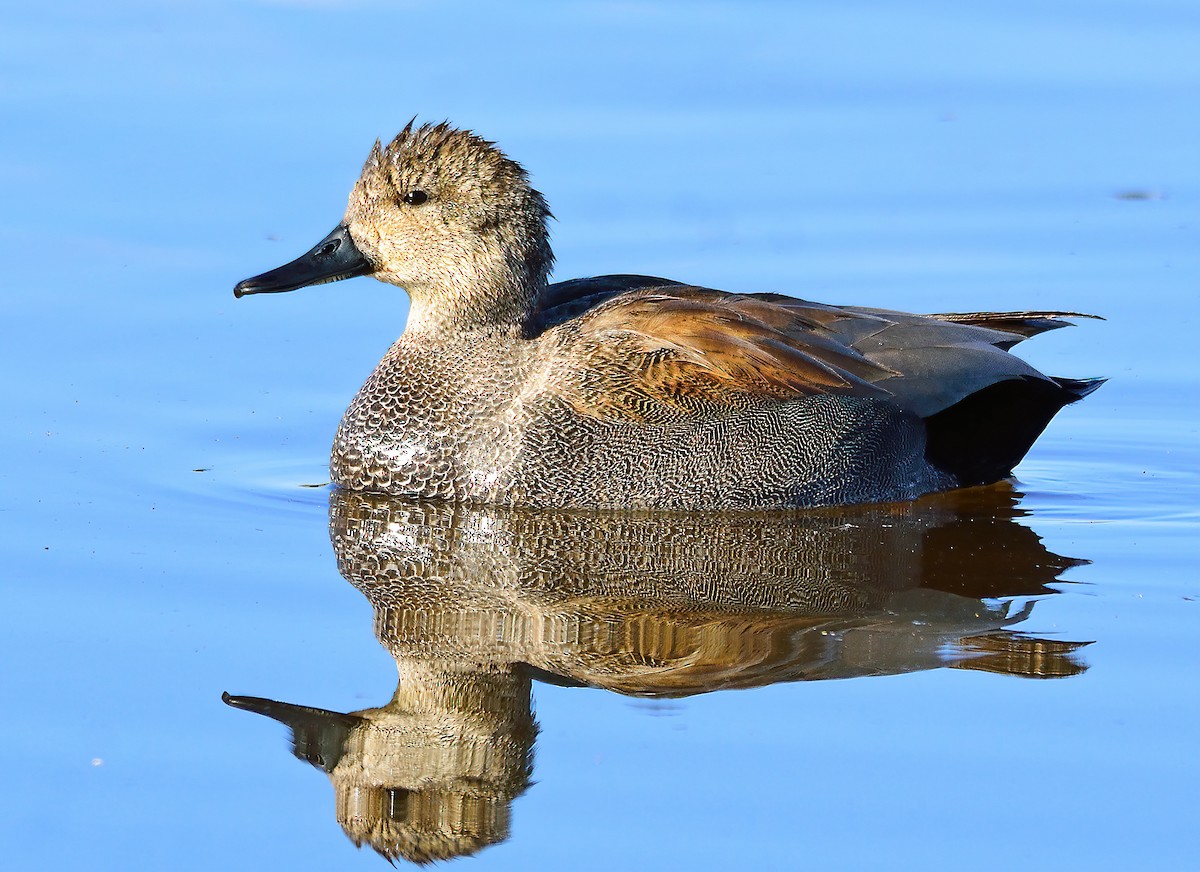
x,y
1078,387
982,438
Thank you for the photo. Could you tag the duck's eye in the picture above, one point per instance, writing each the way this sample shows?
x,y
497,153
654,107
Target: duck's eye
x,y
415,198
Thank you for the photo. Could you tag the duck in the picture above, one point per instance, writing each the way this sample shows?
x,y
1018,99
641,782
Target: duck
x,y
638,392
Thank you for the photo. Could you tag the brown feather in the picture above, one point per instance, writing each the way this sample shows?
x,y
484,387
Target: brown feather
x,y
692,350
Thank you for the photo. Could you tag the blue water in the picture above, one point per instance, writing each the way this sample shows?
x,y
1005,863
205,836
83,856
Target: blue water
x,y
162,548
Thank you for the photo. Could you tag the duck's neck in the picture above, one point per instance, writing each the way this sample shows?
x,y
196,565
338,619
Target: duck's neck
x,y
482,297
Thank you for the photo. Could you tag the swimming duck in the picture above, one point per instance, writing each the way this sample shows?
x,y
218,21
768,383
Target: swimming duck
x,y
630,391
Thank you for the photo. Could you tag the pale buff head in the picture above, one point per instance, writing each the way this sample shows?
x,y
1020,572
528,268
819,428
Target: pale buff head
x,y
448,217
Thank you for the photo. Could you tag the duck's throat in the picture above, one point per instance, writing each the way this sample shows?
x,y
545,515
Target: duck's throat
x,y
471,300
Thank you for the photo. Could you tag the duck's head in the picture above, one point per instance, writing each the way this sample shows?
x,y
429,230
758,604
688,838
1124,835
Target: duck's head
x,y
443,214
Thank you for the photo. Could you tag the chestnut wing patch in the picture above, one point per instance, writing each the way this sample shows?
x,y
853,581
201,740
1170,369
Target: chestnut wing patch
x,y
670,350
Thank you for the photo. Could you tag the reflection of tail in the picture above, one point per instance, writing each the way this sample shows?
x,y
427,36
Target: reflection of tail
x,y
1007,653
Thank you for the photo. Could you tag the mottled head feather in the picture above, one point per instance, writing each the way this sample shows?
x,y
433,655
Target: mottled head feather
x,y
479,227
440,158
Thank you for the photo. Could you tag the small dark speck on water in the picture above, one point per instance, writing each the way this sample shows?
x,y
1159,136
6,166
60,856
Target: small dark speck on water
x,y
1140,194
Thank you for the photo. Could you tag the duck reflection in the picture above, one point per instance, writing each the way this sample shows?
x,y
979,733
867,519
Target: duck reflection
x,y
475,603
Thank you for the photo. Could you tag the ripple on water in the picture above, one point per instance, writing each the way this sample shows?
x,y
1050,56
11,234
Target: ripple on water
x,y
279,485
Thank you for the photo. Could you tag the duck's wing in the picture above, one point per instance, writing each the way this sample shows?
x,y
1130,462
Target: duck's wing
x,y
634,348
672,349
939,360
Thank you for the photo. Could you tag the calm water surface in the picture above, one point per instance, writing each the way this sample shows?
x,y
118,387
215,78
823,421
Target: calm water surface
x,y
993,678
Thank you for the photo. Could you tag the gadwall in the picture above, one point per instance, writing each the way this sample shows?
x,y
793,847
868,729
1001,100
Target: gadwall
x,y
629,391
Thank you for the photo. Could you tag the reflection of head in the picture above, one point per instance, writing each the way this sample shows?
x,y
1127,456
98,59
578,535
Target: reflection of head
x,y
432,775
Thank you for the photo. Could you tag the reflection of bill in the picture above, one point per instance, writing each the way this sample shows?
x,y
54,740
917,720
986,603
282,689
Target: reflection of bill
x,y
474,603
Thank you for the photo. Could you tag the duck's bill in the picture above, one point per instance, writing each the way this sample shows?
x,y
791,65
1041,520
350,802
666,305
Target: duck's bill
x,y
284,712
333,258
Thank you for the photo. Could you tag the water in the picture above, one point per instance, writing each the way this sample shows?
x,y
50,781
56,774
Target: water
x,y
164,545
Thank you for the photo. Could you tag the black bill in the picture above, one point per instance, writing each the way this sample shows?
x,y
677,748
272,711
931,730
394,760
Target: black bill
x,y
334,257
